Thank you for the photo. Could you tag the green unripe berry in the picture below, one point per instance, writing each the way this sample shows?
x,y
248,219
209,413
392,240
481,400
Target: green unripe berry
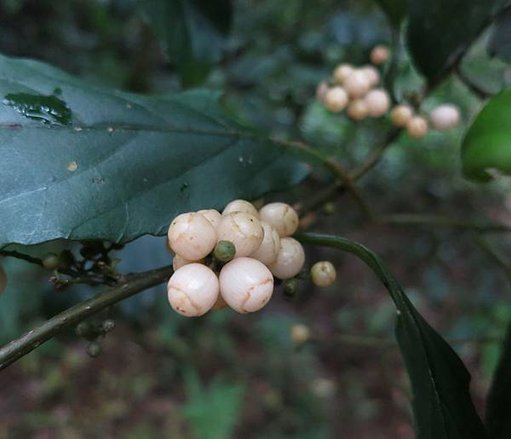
x,y
107,325
224,251
51,261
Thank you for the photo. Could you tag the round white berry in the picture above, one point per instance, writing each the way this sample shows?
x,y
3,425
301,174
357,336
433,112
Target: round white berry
x,y
246,284
3,279
445,117
192,236
378,102
243,230
269,248
336,99
281,216
400,115
357,84
379,55
178,261
212,215
372,74
290,259
193,290
300,333
417,127
341,72
240,206
323,274
357,109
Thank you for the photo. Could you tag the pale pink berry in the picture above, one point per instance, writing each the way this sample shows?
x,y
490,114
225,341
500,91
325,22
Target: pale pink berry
x,y
321,90
378,102
357,84
400,115
336,99
445,117
243,230
341,72
417,127
269,248
281,216
373,75
193,290
379,55
323,274
212,215
240,206
192,236
357,109
246,284
290,259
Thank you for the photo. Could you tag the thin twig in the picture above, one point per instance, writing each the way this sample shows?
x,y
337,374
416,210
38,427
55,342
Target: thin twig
x,y
336,169
22,256
132,285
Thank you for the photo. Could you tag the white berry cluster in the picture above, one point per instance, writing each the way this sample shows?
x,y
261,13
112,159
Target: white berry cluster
x,y
231,258
3,279
357,90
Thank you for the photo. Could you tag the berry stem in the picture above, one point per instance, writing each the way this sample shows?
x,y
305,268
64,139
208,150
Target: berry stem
x,y
130,286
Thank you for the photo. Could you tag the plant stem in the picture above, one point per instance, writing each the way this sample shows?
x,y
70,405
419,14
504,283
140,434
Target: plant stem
x,y
132,285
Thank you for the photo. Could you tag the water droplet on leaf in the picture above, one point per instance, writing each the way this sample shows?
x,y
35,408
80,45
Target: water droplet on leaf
x,y
45,108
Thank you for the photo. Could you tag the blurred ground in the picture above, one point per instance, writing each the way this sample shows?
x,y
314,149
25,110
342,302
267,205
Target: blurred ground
x,y
230,376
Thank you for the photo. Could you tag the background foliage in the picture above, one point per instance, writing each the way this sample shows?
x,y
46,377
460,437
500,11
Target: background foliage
x,y
228,375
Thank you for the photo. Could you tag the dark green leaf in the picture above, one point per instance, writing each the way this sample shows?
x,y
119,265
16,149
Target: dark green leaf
x,y
395,10
442,404
500,42
440,32
125,164
193,32
498,406
486,147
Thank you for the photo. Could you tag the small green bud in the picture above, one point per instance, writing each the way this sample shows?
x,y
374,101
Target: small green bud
x,y
107,325
329,208
86,330
224,251
51,261
290,288
94,349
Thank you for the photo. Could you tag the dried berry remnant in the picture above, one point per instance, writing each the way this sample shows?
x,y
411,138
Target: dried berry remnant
x,y
281,216
192,236
323,274
444,117
401,115
290,259
3,279
243,230
269,248
246,284
336,99
193,290
379,55
240,206
417,127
